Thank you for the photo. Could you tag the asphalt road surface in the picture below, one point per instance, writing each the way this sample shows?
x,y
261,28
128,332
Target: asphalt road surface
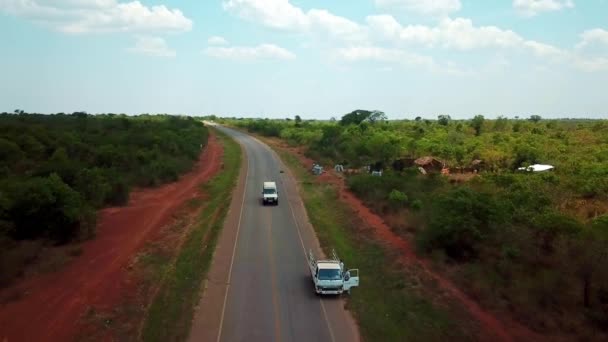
x,y
259,288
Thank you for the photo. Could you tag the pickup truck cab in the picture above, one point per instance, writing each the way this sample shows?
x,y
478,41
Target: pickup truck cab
x,y
270,193
329,276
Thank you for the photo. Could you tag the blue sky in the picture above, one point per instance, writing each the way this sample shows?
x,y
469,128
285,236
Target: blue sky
x,y
315,58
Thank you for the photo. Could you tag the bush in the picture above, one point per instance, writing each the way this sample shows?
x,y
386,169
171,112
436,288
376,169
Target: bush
x,y
368,187
47,208
14,258
397,198
466,218
118,193
552,225
416,205
93,186
600,226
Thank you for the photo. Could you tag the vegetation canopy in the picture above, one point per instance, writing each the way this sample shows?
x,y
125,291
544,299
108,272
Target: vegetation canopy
x,y
56,170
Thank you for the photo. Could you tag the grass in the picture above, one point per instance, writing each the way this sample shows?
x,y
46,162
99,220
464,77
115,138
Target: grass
x,y
170,314
391,304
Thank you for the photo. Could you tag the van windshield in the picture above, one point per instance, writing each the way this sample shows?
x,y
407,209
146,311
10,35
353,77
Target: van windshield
x,y
269,191
329,274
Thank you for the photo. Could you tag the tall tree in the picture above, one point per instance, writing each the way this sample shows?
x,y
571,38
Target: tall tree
x,y
444,120
355,117
377,116
477,123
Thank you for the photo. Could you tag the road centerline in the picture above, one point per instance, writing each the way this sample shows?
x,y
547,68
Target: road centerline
x,y
275,290
295,220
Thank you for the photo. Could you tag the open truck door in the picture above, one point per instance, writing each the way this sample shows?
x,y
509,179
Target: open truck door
x,y
351,279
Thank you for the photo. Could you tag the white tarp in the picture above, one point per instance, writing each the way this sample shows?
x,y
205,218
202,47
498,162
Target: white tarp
x,y
537,168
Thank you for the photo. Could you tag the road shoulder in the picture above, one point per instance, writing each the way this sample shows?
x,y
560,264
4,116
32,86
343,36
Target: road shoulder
x,y
208,313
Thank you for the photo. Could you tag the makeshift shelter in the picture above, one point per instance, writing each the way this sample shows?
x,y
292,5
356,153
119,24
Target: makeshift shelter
x,y
400,164
430,164
475,166
377,166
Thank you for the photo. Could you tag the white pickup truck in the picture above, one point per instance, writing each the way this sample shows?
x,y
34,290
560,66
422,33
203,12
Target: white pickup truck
x,y
329,276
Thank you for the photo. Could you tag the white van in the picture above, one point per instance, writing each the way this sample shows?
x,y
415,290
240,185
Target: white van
x,y
270,193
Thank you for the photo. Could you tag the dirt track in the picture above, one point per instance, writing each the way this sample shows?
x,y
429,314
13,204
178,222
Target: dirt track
x,y
52,304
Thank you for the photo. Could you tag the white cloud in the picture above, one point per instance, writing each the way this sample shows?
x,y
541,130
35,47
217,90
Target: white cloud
x,y
324,22
428,7
545,50
591,64
573,58
356,54
263,51
217,40
459,34
395,57
530,8
152,46
85,16
278,14
354,41
281,14
593,36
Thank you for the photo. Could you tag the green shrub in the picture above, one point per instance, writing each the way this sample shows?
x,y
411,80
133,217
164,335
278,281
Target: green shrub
x,y
416,205
466,218
552,225
397,198
46,207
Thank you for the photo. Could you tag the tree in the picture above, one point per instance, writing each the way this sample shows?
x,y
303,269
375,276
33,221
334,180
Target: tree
x,y
550,226
46,207
298,120
9,152
418,118
477,123
535,118
377,116
467,217
444,120
381,146
587,254
500,124
92,186
355,117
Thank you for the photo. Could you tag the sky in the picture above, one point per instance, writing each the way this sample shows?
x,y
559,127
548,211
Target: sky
x,y
313,58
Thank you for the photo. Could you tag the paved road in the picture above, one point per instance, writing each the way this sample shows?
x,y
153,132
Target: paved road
x,y
259,289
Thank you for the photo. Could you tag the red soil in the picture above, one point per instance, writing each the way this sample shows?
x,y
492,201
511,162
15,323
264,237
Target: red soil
x,y
493,328
53,304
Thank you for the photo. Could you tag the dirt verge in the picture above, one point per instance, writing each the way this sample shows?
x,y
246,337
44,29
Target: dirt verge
x,y
50,306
